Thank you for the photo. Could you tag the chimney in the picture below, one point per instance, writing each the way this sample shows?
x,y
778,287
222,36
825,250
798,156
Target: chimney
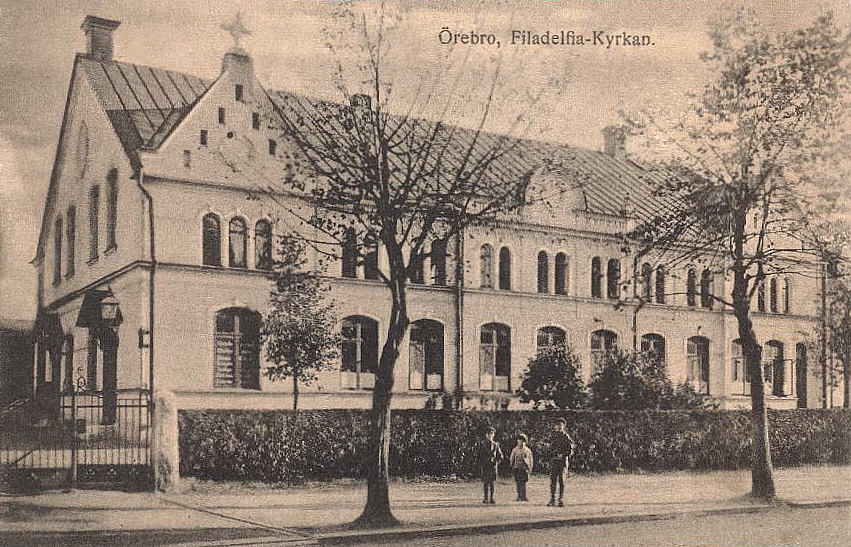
x,y
614,141
99,37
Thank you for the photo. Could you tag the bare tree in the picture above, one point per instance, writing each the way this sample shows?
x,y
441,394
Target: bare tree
x,y
738,164
401,178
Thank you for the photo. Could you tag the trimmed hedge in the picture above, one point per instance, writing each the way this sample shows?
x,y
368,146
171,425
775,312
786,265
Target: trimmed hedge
x,y
328,444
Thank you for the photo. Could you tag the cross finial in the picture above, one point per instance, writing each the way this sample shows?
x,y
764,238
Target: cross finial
x,y
236,29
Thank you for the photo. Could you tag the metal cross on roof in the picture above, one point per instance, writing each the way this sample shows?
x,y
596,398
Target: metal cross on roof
x,y
236,29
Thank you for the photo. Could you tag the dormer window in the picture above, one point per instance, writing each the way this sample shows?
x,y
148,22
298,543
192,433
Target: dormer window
x,y
255,120
273,146
221,114
238,92
203,137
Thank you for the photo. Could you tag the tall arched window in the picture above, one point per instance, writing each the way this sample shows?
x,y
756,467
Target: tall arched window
x,y
237,355
57,250
706,289
350,254
801,374
787,295
646,282
772,294
71,237
417,269
760,296
438,262
654,346
212,240
660,284
596,278
561,277
691,288
425,363
94,212
505,269
495,357
359,352
774,368
697,355
602,342
613,279
68,376
550,338
263,245
370,259
237,244
486,269
543,272
111,207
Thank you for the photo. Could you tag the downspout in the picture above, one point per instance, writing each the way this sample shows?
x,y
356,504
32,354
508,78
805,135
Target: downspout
x,y
151,285
459,318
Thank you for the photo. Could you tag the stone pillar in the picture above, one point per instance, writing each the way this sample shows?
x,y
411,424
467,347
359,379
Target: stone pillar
x,y
166,455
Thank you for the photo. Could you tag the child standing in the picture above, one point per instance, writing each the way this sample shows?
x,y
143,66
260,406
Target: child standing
x,y
490,456
561,448
521,462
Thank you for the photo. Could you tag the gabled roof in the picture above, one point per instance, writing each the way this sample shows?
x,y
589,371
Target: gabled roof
x,y
146,104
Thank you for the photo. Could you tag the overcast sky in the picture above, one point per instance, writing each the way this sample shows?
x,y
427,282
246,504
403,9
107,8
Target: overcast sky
x,y
38,39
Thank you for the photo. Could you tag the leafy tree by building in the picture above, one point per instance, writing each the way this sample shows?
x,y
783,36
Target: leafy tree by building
x,y
736,164
299,332
552,380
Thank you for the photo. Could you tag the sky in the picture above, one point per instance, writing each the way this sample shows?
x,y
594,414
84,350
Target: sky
x,y
38,40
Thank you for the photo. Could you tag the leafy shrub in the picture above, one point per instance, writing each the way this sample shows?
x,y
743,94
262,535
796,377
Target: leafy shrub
x,y
552,380
329,444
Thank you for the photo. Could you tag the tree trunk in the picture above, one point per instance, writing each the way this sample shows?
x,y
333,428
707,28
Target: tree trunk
x,y
295,395
377,512
846,384
762,473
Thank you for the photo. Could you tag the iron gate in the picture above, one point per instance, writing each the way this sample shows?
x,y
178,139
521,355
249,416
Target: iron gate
x,y
77,438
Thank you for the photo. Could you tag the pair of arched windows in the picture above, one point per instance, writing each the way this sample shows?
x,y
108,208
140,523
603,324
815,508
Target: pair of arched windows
x,y
613,278
777,303
504,268
781,376
237,242
561,273
647,289
706,288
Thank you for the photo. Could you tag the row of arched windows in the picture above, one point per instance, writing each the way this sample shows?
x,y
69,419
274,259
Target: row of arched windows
x,y
367,253
613,278
69,235
237,242
560,273
777,303
503,269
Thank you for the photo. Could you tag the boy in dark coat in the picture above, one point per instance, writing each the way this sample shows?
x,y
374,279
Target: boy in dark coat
x,y
561,448
490,456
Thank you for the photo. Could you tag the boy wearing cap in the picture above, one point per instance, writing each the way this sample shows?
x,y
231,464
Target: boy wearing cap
x,y
561,448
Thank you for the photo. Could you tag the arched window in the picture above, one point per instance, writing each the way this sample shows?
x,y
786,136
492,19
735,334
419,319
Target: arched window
x,y
350,254
438,262
738,373
646,282
237,248
71,236
111,207
697,355
417,269
263,245
425,363
660,284
57,250
359,352
486,269
613,279
760,296
801,374
787,295
706,289
772,294
68,376
543,272
236,360
370,259
602,343
505,269
561,274
691,288
212,240
774,368
495,357
551,338
654,346
596,278
94,210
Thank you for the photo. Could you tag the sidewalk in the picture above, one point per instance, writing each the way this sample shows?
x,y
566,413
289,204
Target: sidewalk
x,y
319,512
